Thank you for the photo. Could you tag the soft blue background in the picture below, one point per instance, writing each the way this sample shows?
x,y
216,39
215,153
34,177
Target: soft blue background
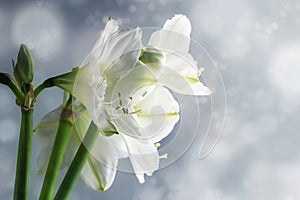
x,y
254,43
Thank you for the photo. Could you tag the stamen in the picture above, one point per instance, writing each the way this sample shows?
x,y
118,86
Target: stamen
x,y
117,108
144,93
121,103
130,98
134,112
157,144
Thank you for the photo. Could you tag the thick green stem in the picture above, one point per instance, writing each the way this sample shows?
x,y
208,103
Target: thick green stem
x,y
77,164
24,157
63,133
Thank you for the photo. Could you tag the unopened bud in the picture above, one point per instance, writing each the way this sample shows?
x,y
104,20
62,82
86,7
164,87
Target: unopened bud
x,y
24,69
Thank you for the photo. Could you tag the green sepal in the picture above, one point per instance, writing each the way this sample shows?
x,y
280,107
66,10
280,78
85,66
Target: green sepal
x,y
109,133
64,81
29,97
150,55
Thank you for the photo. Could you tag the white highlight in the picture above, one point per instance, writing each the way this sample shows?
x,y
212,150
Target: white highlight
x,y
40,29
284,73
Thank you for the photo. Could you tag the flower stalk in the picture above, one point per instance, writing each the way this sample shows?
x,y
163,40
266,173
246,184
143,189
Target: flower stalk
x,y
62,137
63,81
24,156
77,164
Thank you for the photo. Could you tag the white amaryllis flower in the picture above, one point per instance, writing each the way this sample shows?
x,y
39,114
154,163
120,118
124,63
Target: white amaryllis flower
x,y
123,86
99,171
143,119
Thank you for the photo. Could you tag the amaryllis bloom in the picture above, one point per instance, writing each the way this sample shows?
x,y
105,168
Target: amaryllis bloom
x,y
89,89
125,90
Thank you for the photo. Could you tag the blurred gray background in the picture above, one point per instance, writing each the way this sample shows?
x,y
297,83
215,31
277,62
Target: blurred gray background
x,y
254,43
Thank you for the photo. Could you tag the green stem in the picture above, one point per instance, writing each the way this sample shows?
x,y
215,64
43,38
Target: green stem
x,y
24,157
60,144
63,81
77,164
46,84
38,90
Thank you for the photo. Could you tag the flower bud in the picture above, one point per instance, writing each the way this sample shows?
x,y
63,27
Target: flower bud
x,y
24,69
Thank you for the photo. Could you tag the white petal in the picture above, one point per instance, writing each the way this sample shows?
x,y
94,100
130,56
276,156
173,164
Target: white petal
x,y
183,85
100,168
84,86
47,128
110,28
117,45
159,112
119,145
90,93
43,158
183,63
182,73
143,156
175,35
179,23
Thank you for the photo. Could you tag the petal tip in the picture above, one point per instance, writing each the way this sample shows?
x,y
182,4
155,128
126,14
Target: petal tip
x,y
179,23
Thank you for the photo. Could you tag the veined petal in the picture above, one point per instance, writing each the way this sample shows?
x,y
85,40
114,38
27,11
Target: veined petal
x,y
90,93
183,67
143,156
120,44
110,28
158,114
182,85
84,89
183,63
100,168
115,46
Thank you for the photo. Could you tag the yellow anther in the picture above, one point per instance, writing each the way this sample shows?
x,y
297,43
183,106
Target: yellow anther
x,y
157,144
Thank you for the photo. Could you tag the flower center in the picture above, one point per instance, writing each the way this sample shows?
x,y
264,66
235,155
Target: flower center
x,y
124,108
